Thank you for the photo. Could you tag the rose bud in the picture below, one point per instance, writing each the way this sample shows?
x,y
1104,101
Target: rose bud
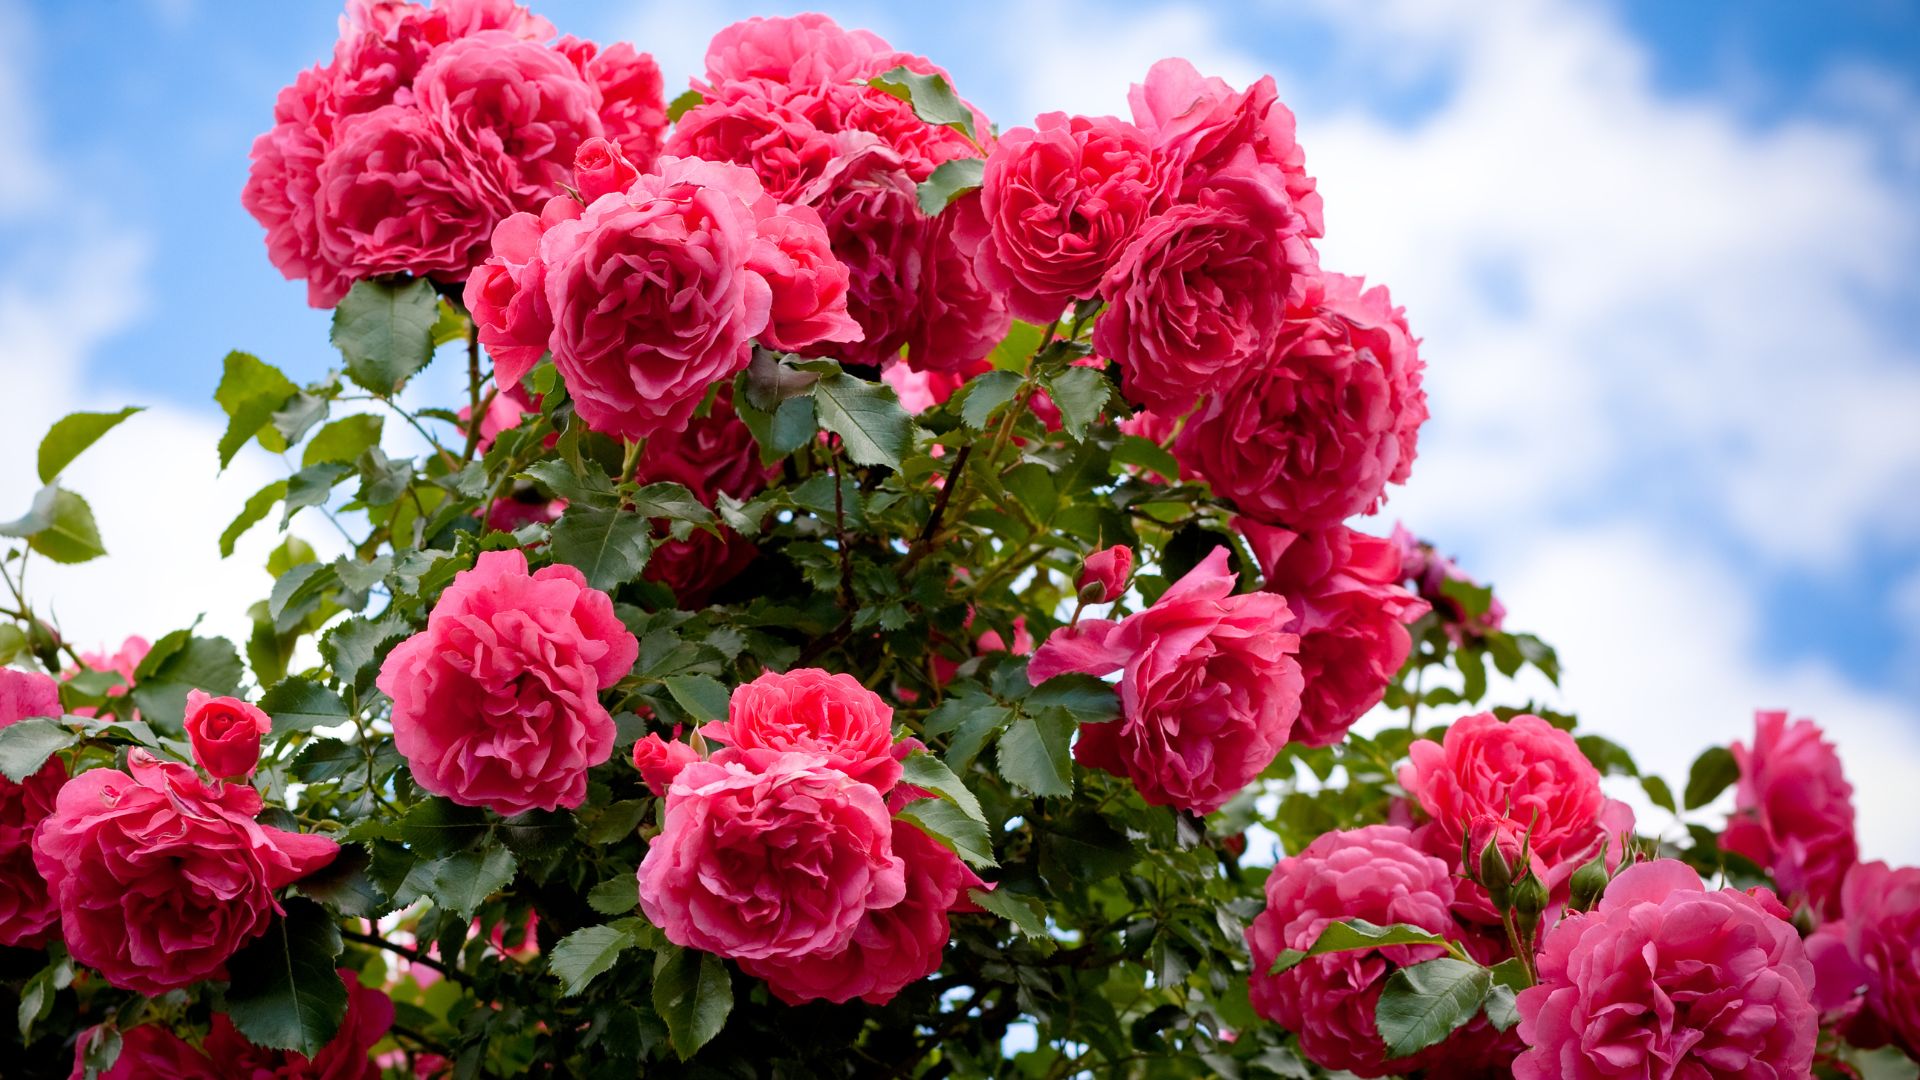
x,y
659,761
1103,577
225,733
1589,881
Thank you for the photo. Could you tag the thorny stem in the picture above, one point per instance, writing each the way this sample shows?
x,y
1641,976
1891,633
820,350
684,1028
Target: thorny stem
x,y
412,955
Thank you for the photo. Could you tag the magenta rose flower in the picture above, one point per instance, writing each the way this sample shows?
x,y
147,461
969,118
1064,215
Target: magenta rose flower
x,y
1206,125
763,126
1109,568
1351,614
1868,959
961,317
1664,978
1793,811
347,1056
1199,297
1060,201
1377,874
496,703
123,662
809,283
811,711
147,1052
1428,572
599,168
660,760
159,878
282,185
1314,436
27,911
713,455
1209,688
769,855
1509,779
868,199
631,93
808,49
225,734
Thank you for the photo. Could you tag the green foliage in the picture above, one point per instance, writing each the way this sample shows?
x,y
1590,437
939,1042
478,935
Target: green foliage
x,y
72,434
283,992
384,330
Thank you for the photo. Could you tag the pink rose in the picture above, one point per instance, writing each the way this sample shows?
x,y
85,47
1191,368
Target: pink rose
x,y
1868,960
960,318
1793,811
1529,778
347,1056
507,295
762,126
922,390
123,662
282,185
868,199
27,912
513,111
496,703
1110,568
769,855
632,95
160,878
1351,615
1664,978
810,711
599,168
809,283
1376,874
659,761
225,733
713,455
147,1052
1428,572
1314,436
1060,201
1199,297
1209,688
1207,126
893,947
809,49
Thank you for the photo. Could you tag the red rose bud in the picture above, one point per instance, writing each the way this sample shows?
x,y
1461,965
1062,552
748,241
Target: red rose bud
x,y
600,169
225,733
659,761
1106,571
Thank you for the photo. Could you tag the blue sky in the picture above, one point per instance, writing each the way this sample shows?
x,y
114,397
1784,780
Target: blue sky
x,y
1666,259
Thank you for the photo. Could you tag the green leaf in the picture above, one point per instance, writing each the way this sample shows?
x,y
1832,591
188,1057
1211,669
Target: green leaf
x,y
618,895
610,547
1080,393
285,993
1423,1004
672,502
298,592
327,759
1712,773
1024,912
27,744
693,993
344,886
949,824
37,517
252,514
1660,794
1509,978
384,330
1146,455
1608,756
72,434
300,704
356,647
1354,935
923,770
451,325
197,663
343,440
948,182
933,100
984,394
1022,341
461,882
1033,753
679,106
583,955
251,391
311,486
436,827
701,695
1087,699
292,420
558,477
71,535
873,428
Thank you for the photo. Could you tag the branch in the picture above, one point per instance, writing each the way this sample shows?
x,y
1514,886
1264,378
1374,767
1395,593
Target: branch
x,y
413,955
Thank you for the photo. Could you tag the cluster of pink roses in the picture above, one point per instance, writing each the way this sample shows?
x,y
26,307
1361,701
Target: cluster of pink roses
x,y
780,852
427,127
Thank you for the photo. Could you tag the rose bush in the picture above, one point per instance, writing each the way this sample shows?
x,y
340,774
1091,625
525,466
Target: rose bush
x,y
891,597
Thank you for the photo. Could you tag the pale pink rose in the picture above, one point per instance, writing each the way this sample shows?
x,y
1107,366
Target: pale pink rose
x,y
1666,979
123,662
1376,874
1207,126
811,711
496,703
1793,811
507,294
660,760
1526,777
1110,568
347,1056
513,111
1060,201
1314,435
27,911
631,93
809,49
147,1052
225,734
1199,297
1351,614
769,855
809,283
1868,959
922,390
713,455
1209,688
160,878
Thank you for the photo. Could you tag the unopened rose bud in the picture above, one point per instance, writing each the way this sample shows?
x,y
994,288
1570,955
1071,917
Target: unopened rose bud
x,y
1103,577
225,733
1496,876
1529,897
1589,881
600,169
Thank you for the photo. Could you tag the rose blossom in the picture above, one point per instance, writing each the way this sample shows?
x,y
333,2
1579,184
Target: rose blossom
x,y
1377,874
922,390
1522,777
809,283
761,126
599,168
660,760
1350,613
27,912
1060,201
1428,572
769,855
713,455
1868,959
1664,978
1199,296
347,1056
281,185
1793,811
961,318
1109,568
496,702
1209,688
507,296
1314,436
808,48
633,110
123,662
225,733
160,878
813,712
147,1052
868,200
